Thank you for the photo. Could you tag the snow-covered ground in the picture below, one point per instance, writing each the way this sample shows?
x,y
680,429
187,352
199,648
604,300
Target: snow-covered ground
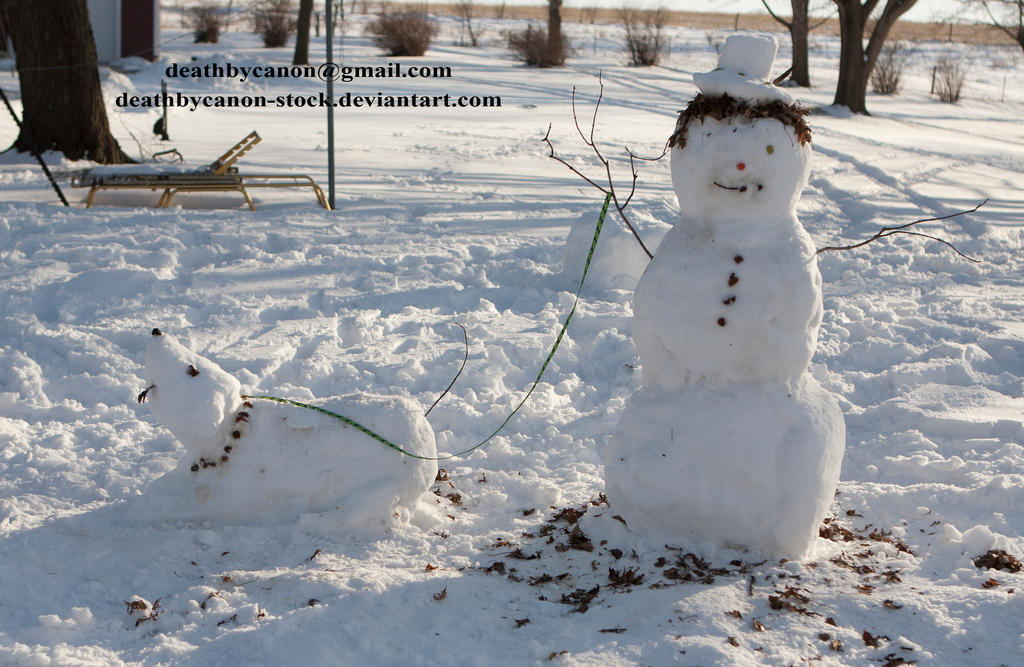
x,y
457,215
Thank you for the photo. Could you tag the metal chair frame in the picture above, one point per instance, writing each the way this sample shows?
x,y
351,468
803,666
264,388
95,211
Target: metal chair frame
x,y
220,176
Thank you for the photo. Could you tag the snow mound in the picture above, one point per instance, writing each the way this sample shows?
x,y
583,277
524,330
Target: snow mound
x,y
618,260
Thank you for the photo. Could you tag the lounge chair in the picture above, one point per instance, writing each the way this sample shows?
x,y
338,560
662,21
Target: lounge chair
x,y
220,176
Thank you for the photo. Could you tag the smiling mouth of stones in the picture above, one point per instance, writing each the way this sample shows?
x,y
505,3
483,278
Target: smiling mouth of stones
x,y
739,188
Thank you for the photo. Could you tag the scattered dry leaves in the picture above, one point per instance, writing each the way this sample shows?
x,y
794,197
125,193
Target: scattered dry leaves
x,y
581,598
874,641
997,559
624,577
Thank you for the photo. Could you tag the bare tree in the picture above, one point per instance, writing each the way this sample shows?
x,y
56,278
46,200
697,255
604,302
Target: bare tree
x,y
799,26
556,43
1007,15
464,9
3,35
61,97
856,61
301,56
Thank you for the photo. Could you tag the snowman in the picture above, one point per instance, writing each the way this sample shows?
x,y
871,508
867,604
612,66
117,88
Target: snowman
x,y
730,442
251,459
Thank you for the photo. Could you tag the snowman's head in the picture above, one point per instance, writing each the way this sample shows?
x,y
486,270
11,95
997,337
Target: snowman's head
x,y
734,160
741,147
189,394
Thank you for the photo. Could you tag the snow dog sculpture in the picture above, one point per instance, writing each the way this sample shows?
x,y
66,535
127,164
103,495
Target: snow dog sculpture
x,y
255,459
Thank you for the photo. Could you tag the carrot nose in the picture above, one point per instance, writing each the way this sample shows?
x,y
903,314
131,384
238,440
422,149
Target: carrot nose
x,y
741,166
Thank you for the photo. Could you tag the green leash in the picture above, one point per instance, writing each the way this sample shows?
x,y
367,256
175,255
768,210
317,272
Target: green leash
x,y
543,368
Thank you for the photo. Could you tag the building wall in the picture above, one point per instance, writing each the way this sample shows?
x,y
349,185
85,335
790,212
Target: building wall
x,y
125,28
104,15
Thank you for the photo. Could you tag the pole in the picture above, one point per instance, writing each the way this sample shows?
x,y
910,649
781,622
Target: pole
x,y
329,25
160,128
35,148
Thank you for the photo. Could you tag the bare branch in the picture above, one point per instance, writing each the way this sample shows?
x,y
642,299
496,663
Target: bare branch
x,y
776,16
782,77
812,28
620,206
903,229
465,358
576,120
1013,35
633,155
632,189
597,105
573,169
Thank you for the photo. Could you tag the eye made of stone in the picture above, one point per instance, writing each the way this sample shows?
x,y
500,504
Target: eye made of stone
x,y
770,149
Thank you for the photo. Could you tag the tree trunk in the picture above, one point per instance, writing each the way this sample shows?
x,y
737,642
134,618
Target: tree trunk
x,y
3,32
556,48
301,56
1010,21
62,101
856,61
850,91
798,29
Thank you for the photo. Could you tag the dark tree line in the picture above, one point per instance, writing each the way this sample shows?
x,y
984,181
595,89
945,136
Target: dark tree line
x,y
63,107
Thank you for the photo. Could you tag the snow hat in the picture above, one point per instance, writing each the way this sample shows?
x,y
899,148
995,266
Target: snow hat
x,y
744,71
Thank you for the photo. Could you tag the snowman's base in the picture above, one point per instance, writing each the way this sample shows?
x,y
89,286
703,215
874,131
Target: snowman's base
x,y
743,466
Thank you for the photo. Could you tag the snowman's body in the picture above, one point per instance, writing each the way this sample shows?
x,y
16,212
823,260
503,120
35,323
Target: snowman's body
x,y
730,441
728,301
253,459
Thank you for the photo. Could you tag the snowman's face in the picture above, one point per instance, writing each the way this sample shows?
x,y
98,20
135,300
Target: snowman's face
x,y
734,168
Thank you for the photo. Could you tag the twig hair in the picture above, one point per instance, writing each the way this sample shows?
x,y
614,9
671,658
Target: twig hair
x,y
724,106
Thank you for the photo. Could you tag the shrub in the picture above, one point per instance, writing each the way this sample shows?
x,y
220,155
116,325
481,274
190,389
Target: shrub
x,y
531,46
275,22
887,76
949,80
206,22
644,39
404,33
